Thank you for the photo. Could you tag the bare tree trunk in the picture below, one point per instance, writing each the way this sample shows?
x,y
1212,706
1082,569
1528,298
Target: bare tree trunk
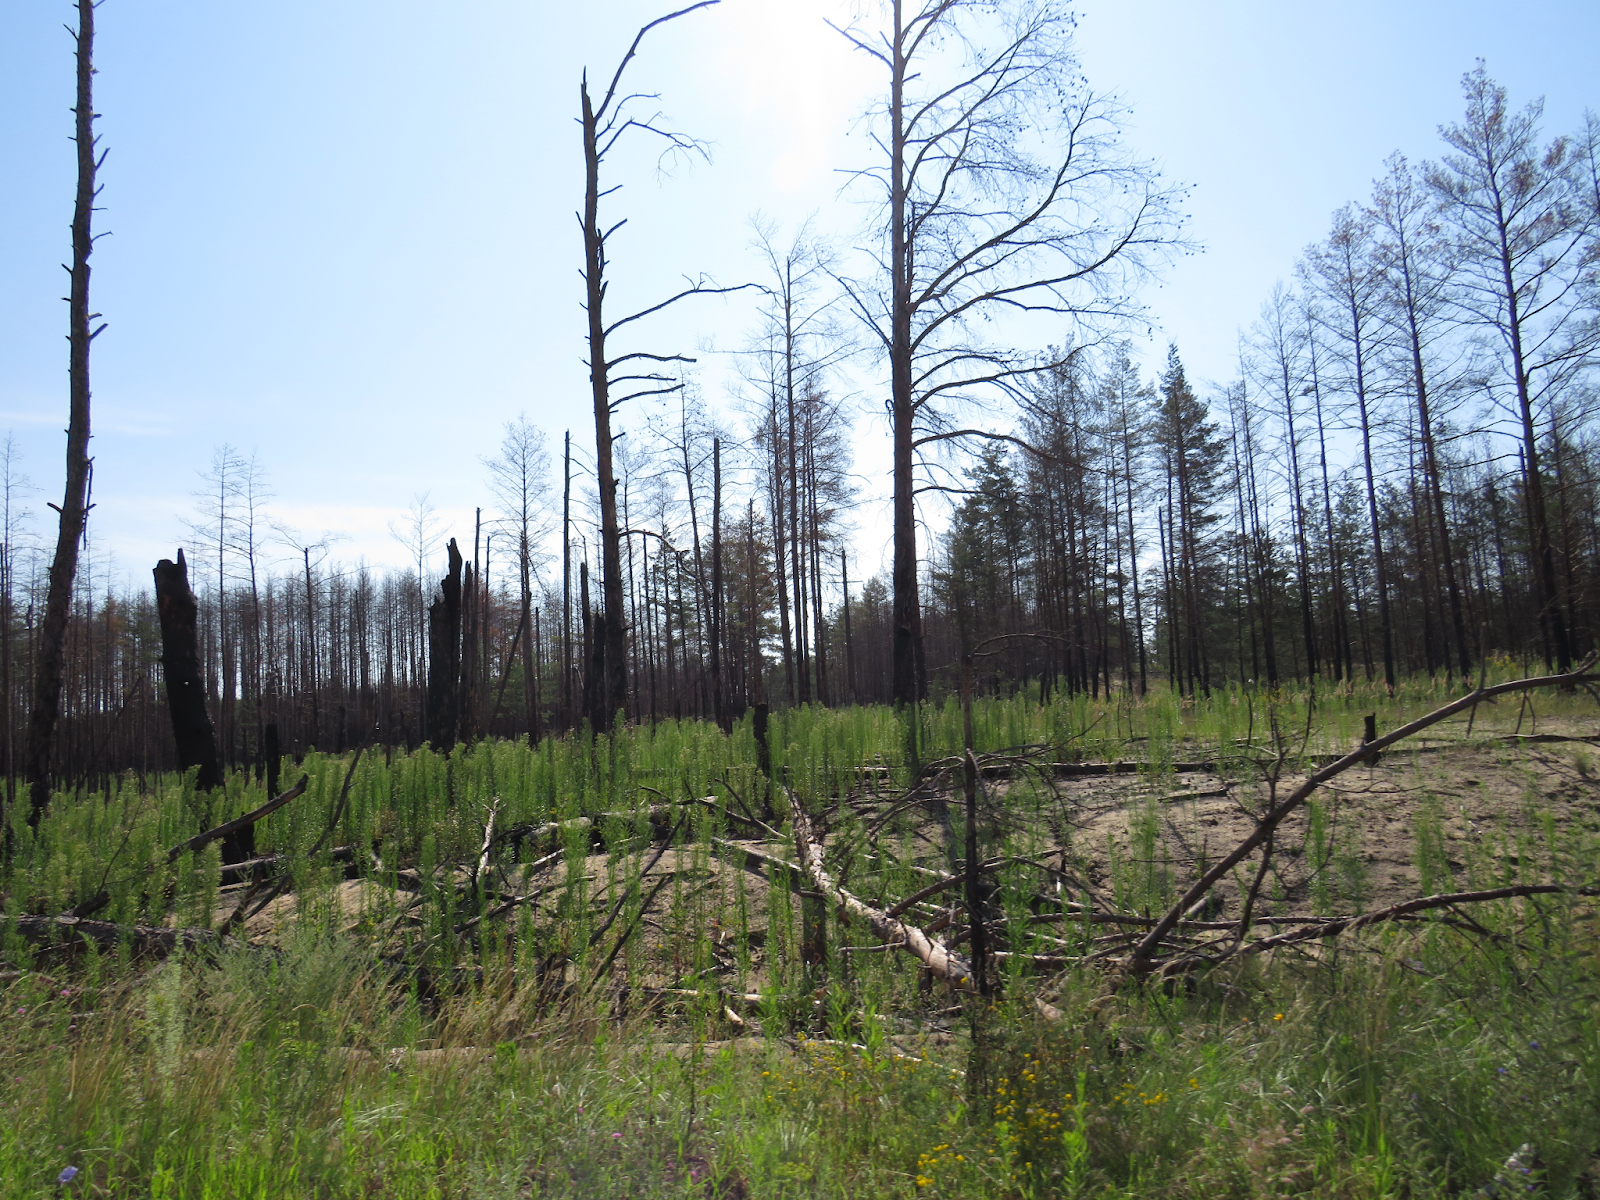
x,y
780,573
614,633
566,582
849,640
907,687
718,704
471,621
50,659
529,660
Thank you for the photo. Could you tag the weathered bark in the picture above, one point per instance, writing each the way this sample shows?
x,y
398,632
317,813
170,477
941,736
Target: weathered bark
x,y
180,664
51,655
444,657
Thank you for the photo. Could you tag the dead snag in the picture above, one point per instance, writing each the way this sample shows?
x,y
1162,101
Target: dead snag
x,y
444,658
50,665
186,693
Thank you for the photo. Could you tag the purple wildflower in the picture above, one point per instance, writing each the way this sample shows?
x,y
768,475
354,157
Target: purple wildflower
x,y
67,1174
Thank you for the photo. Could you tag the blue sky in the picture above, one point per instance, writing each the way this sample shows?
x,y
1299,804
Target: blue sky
x,y
342,232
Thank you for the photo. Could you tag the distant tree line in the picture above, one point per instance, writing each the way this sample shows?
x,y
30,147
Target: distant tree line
x,y
1400,478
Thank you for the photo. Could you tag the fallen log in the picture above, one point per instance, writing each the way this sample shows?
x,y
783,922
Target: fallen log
x,y
1143,959
144,938
202,840
941,962
253,867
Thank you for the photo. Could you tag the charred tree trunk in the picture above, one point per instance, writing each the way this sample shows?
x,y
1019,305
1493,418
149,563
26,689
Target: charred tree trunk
x,y
908,682
272,751
180,664
600,710
444,658
51,657
566,581
467,678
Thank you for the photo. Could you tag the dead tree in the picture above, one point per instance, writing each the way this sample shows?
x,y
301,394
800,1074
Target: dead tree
x,y
444,658
975,226
74,510
637,373
180,665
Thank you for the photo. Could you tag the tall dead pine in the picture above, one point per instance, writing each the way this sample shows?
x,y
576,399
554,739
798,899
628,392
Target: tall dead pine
x,y
75,501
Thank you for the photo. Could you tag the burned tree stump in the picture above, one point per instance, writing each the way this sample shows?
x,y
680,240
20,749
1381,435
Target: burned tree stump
x,y
272,753
444,658
180,664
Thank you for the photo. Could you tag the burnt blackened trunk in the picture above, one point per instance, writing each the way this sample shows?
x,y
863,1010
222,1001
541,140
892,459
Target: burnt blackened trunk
x,y
467,687
444,658
599,644
272,751
180,665
586,648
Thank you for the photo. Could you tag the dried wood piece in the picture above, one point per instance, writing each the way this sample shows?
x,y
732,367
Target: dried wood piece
x,y
943,963
144,938
1142,960
202,840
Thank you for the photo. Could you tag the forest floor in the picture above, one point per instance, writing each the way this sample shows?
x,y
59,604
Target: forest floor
x,y
662,1005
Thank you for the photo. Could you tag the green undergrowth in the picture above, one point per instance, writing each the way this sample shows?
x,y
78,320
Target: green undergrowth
x,y
411,807
1411,1067
405,1033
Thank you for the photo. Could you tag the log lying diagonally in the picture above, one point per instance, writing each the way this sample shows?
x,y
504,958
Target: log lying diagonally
x,y
1143,960
943,963
1398,912
202,840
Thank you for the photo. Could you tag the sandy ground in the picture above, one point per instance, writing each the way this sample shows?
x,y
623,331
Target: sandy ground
x,y
1466,813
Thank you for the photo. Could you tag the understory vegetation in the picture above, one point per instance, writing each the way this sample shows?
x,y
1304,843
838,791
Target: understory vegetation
x,y
600,967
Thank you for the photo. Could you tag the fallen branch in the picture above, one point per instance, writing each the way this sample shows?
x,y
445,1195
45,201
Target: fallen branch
x,y
201,840
945,965
1142,960
616,909
143,938
1399,912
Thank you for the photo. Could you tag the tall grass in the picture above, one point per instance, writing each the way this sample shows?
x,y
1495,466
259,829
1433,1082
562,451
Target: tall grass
x,y
1414,1071
356,1057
